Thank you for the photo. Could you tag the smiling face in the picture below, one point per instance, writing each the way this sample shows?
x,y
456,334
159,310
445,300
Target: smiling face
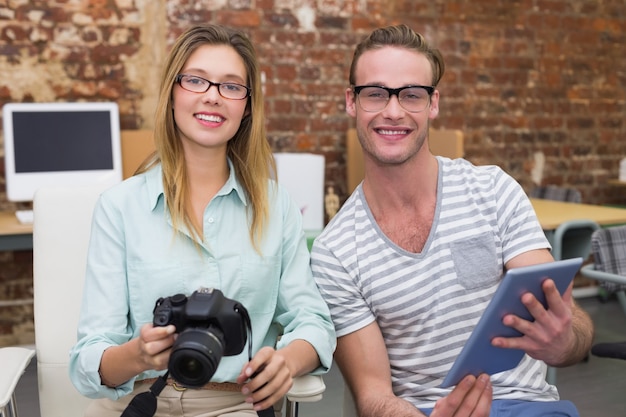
x,y
208,120
392,136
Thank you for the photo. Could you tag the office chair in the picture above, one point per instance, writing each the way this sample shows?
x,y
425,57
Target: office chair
x,y
60,238
609,268
554,192
14,361
572,239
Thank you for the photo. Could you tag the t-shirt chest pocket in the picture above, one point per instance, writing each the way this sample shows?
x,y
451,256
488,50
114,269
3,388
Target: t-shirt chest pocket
x,y
475,261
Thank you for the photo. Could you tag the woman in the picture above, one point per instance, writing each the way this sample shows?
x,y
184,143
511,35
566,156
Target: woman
x,y
201,212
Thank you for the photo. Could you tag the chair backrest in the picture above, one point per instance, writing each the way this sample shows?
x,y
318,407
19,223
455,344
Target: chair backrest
x,y
61,230
553,192
572,239
609,252
443,142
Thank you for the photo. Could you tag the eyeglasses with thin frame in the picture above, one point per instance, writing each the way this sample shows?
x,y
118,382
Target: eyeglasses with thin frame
x,y
412,98
195,84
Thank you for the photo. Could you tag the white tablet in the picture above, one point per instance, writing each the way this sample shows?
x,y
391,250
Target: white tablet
x,y
478,355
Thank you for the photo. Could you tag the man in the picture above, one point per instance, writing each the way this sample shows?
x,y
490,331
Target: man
x,y
413,257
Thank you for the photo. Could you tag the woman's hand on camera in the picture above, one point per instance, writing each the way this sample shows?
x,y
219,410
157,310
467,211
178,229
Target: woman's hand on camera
x,y
151,350
154,345
266,378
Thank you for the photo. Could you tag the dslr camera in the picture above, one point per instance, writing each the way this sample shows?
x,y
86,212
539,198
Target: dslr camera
x,y
209,326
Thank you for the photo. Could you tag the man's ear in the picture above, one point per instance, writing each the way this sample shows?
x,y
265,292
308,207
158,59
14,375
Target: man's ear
x,y
350,102
433,109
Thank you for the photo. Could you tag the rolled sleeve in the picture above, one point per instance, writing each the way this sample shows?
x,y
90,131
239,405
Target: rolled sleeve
x,y
86,378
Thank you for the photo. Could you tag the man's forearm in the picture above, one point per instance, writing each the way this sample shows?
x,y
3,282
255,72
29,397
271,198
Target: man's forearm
x,y
388,406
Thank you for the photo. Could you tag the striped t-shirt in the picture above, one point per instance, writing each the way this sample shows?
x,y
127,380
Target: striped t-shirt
x,y
427,304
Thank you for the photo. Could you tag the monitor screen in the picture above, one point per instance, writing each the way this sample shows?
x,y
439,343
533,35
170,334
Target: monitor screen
x,y
60,144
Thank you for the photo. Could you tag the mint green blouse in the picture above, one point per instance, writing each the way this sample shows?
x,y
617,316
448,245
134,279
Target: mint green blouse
x,y
135,258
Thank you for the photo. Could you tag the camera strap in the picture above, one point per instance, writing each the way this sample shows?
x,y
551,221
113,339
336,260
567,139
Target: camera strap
x,y
145,403
268,412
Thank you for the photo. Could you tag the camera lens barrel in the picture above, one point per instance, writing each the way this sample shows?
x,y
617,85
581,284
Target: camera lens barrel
x,y
195,356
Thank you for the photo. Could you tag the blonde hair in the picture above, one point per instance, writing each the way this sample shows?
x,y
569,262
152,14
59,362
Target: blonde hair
x,y
248,150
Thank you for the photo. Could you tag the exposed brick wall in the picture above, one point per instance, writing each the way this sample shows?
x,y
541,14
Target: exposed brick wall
x,y
523,76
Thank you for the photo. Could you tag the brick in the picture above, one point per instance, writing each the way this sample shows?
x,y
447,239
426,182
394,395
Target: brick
x,y
239,18
278,20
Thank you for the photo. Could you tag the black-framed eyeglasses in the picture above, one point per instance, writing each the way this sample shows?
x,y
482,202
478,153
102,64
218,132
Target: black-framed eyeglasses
x,y
195,84
412,98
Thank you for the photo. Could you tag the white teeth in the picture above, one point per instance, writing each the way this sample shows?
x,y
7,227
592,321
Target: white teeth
x,y
392,132
209,118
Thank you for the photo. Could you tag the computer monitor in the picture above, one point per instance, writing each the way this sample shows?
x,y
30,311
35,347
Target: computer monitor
x,y
60,144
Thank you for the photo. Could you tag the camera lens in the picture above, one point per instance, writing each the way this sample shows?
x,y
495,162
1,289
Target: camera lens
x,y
191,367
196,355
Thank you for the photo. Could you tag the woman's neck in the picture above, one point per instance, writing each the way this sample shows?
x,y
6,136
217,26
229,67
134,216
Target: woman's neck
x,y
206,174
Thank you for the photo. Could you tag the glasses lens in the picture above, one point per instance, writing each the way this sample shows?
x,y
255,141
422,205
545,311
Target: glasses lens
x,y
233,91
412,99
373,98
194,84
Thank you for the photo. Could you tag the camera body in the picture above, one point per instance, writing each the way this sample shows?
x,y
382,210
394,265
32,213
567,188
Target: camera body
x,y
209,326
